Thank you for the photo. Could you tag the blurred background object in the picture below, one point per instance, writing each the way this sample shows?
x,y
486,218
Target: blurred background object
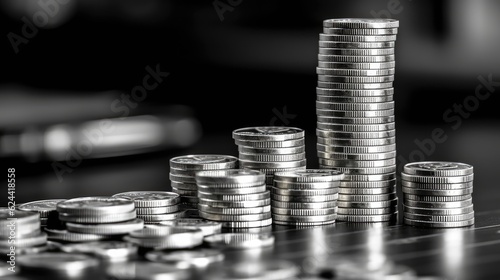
x,y
232,64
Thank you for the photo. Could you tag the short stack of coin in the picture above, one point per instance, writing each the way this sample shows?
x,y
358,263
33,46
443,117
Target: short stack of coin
x,y
305,197
355,114
438,194
237,198
154,207
20,230
46,209
95,218
271,149
183,169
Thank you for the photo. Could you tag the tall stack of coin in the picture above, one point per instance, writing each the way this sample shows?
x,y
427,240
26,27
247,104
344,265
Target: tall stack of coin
x,y
355,114
271,149
183,169
305,197
237,198
19,231
154,207
95,218
438,194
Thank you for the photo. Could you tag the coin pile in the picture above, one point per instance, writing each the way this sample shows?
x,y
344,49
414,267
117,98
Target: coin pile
x,y
183,169
438,194
154,206
355,115
95,218
305,197
271,149
20,230
237,198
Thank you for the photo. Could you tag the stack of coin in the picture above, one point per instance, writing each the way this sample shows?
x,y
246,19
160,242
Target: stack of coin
x,y
183,169
162,237
95,218
46,209
305,197
154,206
20,230
271,149
438,194
237,198
355,114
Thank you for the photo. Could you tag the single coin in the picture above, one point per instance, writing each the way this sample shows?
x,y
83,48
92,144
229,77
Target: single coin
x,y
360,31
356,38
138,269
297,224
437,180
182,178
433,192
356,52
304,212
367,197
367,218
112,250
309,176
356,23
375,204
8,216
235,218
440,218
431,198
356,59
354,72
271,157
368,170
95,205
248,224
305,219
370,178
306,186
343,156
234,211
362,66
354,92
270,144
166,237
70,263
355,150
367,211
150,198
268,133
427,224
98,219
239,240
355,106
207,227
439,205
161,217
272,151
234,197
357,45
204,162
438,168
368,185
357,163
232,191
43,207
157,210
303,205
288,198
352,85
199,258
355,99
235,204
107,229
182,192
354,114
245,164
364,191
68,236
305,192
184,186
437,187
38,239
438,211
230,176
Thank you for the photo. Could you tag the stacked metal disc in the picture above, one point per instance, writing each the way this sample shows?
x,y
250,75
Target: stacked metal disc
x,y
305,197
438,194
95,218
183,169
154,207
237,198
271,149
46,209
20,230
355,115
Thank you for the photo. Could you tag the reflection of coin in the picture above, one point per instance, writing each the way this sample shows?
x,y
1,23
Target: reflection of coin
x,y
110,250
240,240
151,198
186,258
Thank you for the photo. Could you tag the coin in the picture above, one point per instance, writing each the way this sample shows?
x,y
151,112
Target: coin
x,y
43,207
166,237
235,218
360,31
161,217
139,269
157,210
368,218
239,240
343,156
233,176
367,197
437,187
432,198
303,198
234,211
304,212
438,211
356,59
438,169
354,114
356,23
306,186
367,211
356,52
232,191
354,72
271,157
368,184
355,92
235,204
305,192
204,162
440,205
108,228
270,144
440,218
436,179
268,133
303,205
95,205
100,218
354,149
309,176
363,86
247,224
359,99
234,197
356,38
373,204
366,191
357,164
355,106
358,65
68,236
182,178
427,224
207,227
150,198
272,151
20,217
305,219
433,192
357,45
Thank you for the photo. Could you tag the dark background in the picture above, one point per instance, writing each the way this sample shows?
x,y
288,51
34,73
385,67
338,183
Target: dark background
x,y
243,70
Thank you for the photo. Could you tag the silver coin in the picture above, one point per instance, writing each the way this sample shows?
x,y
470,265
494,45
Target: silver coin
x,y
108,228
199,258
437,180
356,142
95,205
207,227
305,219
232,176
438,211
234,211
440,218
43,207
232,191
309,176
427,224
272,171
368,170
371,204
235,218
107,250
268,133
305,192
272,151
355,72
361,99
355,106
433,192
357,38
355,114
303,205
367,197
297,224
67,236
271,157
438,168
309,199
439,205
270,144
204,162
285,164
360,23
182,178
360,31
352,149
20,217
366,191
356,52
352,85
98,219
369,178
166,231
286,185
150,198
362,66
356,59
346,131
161,217
184,186
248,224
373,156
355,92
367,218
239,240
235,204
63,263
437,187
369,185
357,164
304,212
357,45
367,211
234,197
432,198
183,172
